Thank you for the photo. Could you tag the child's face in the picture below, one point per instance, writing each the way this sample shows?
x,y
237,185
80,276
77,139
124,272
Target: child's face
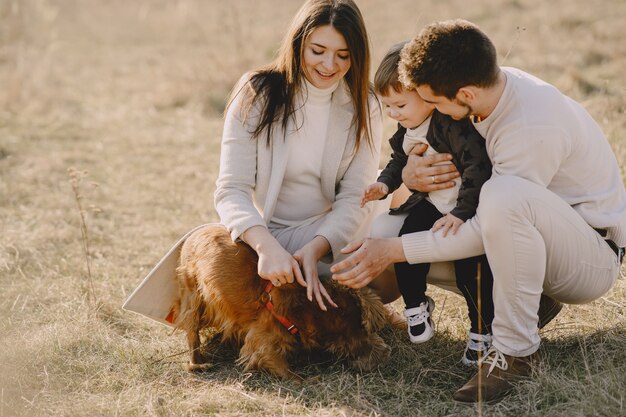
x,y
406,107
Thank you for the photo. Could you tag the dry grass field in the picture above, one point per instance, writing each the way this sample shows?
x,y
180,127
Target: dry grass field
x,y
129,94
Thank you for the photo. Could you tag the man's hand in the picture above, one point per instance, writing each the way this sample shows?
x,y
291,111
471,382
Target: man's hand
x,y
374,192
420,173
447,223
368,259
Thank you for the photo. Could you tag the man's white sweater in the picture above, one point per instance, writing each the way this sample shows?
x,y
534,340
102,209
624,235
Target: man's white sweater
x,y
537,133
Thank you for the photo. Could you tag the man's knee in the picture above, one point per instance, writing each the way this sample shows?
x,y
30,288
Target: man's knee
x,y
500,194
502,198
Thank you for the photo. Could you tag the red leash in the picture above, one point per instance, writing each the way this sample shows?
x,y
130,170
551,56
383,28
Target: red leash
x,y
266,300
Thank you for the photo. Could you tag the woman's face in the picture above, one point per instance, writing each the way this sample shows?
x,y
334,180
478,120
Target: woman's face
x,y
326,57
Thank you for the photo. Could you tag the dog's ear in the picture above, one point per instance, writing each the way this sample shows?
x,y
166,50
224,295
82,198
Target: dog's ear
x,y
373,312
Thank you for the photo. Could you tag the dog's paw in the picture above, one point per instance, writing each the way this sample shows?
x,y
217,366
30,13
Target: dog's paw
x,y
199,367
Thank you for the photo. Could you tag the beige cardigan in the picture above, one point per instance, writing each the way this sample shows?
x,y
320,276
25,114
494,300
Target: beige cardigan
x,y
251,173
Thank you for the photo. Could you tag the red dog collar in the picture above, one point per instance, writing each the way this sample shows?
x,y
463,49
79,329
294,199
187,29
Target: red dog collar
x,y
266,300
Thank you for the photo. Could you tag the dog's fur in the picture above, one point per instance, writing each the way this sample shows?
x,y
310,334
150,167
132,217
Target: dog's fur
x,y
220,288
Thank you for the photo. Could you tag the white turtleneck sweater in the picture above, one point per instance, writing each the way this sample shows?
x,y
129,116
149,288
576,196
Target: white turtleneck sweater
x,y
301,200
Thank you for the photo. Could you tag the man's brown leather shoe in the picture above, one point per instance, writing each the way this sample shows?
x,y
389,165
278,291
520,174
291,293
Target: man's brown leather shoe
x,y
496,374
549,308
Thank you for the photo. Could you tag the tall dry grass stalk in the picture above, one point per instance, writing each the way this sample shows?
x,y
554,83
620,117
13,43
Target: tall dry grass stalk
x,y
76,179
519,31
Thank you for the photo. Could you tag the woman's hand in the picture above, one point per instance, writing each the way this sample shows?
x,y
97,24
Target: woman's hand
x,y
447,223
369,258
279,266
275,263
308,256
420,173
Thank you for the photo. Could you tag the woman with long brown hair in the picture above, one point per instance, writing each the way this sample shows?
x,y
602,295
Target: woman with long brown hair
x,y
301,141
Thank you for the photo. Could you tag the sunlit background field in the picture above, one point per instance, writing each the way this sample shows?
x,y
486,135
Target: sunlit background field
x,y
128,96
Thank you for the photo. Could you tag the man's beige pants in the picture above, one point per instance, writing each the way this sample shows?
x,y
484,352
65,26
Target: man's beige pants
x,y
535,243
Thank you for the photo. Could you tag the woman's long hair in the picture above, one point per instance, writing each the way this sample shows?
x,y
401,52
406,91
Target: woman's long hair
x,y
277,84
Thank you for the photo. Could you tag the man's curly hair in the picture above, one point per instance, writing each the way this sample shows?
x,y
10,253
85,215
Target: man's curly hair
x,y
449,55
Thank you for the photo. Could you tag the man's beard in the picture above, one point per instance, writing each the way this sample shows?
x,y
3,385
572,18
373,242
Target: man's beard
x,y
469,109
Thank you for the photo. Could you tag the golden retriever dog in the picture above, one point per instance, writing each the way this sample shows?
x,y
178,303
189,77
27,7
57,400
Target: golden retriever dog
x,y
220,288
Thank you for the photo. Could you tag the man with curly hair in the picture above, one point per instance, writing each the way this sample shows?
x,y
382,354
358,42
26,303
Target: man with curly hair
x,y
552,219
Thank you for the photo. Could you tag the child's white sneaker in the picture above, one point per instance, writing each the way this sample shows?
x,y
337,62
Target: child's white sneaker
x,y
421,327
476,348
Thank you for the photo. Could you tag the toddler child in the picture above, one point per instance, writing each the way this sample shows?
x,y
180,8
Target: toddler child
x,y
445,209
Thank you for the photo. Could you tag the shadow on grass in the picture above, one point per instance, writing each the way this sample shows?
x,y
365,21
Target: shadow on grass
x,y
578,374
413,378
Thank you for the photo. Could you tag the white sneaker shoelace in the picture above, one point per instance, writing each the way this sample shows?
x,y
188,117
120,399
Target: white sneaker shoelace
x,y
417,315
478,342
494,358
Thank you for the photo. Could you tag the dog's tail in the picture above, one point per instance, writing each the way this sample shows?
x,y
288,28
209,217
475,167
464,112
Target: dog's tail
x,y
188,308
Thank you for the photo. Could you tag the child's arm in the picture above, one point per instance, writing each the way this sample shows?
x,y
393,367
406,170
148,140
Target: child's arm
x,y
373,192
392,174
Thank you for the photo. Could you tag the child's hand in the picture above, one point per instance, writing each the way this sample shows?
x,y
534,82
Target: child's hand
x,y
447,223
373,192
